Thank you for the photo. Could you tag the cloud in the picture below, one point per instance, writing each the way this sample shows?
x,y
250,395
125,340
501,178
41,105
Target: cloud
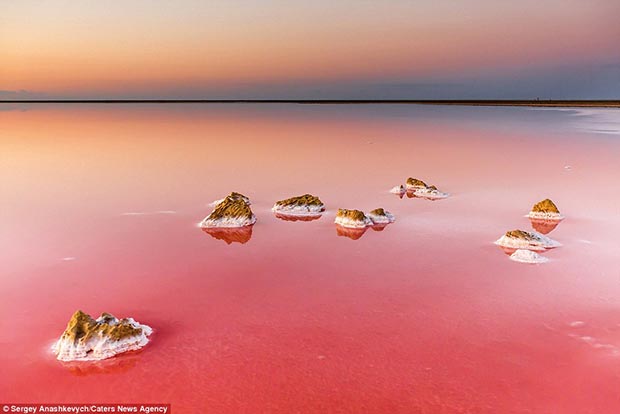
x,y
577,81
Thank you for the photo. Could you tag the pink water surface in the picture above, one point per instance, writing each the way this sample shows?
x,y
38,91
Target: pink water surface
x,y
99,213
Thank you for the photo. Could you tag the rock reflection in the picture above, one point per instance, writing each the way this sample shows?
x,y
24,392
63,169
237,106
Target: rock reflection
x,y
351,233
115,365
544,226
287,217
230,234
507,250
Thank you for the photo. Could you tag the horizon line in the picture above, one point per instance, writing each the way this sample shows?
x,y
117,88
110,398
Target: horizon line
x,y
611,103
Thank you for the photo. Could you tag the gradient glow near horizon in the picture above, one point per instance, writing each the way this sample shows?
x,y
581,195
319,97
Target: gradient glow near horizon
x,y
322,49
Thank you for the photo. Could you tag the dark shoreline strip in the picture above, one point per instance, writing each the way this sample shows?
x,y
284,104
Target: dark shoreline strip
x,y
533,103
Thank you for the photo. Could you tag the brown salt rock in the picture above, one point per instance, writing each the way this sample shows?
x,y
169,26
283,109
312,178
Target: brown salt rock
x,y
304,205
519,239
419,189
231,212
413,183
88,339
545,210
352,218
379,216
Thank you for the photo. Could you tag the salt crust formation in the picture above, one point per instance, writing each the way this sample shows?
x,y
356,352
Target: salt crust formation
x,y
545,210
381,216
232,211
352,218
419,188
527,256
399,189
519,239
88,339
235,196
304,205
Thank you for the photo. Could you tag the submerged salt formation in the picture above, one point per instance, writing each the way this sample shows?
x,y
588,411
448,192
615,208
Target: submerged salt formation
x,y
304,205
380,216
230,234
418,188
87,339
233,211
234,196
352,218
519,239
527,256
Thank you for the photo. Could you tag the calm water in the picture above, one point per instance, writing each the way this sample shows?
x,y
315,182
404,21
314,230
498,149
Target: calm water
x,y
99,213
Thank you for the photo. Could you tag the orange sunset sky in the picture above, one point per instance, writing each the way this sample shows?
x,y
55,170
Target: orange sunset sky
x,y
321,49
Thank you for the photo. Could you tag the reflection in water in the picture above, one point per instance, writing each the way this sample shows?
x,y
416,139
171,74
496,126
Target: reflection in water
x,y
250,314
412,194
353,234
508,250
287,217
114,365
544,226
511,250
230,234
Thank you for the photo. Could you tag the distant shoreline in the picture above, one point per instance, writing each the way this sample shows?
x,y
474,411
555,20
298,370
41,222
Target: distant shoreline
x,y
528,103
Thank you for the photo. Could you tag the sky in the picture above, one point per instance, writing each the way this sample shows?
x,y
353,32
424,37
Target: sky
x,y
289,49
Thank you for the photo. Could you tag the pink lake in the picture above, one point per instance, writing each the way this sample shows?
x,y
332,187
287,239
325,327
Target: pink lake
x,y
100,206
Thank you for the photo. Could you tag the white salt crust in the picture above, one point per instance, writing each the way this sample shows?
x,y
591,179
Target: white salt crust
x,y
429,193
540,242
380,219
308,210
527,256
354,224
540,215
101,347
228,222
414,187
399,189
